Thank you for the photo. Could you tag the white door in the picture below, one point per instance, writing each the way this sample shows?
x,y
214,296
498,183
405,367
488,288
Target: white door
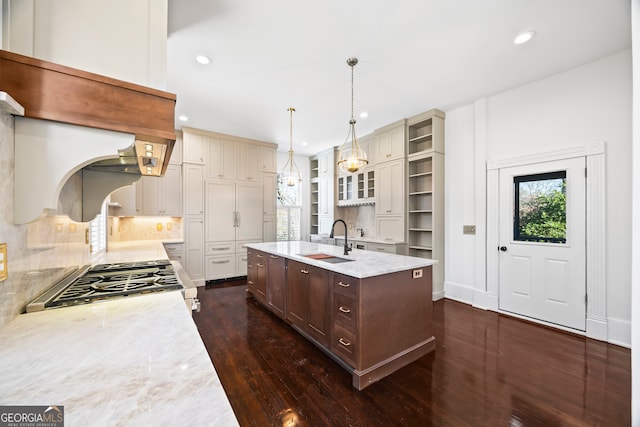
x,y
542,255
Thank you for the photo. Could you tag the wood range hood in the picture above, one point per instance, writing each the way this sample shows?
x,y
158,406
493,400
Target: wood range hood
x,y
80,122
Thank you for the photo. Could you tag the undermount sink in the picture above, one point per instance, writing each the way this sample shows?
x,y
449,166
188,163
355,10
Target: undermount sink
x,y
327,258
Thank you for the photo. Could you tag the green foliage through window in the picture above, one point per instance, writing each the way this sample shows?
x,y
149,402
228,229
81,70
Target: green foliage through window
x,y
541,208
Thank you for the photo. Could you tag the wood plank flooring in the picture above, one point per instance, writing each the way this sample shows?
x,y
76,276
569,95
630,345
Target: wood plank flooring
x,y
487,370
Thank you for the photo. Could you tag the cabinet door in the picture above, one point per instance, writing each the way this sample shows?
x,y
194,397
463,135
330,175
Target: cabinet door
x,y
248,157
390,144
269,196
194,248
248,205
269,161
252,271
390,183
324,193
193,148
296,293
151,195
318,302
220,211
261,280
276,285
171,191
193,189
126,198
221,161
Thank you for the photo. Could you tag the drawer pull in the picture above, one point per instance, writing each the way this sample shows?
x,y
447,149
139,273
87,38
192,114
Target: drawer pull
x,y
259,256
222,262
250,282
344,285
221,249
344,343
260,265
273,257
344,310
304,271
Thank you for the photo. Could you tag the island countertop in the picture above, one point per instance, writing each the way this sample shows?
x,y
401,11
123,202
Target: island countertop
x,y
364,263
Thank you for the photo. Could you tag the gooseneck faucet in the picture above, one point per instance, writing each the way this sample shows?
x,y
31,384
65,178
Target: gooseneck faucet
x,y
346,244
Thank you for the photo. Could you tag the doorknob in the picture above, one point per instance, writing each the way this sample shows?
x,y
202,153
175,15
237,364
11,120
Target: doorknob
x,y
503,248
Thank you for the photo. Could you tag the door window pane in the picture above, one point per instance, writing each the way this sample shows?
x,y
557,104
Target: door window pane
x,y
541,207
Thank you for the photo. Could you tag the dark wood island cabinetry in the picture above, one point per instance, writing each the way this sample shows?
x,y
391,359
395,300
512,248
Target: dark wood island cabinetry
x,y
372,322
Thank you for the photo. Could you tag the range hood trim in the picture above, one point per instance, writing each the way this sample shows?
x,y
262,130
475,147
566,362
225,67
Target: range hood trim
x,y
48,153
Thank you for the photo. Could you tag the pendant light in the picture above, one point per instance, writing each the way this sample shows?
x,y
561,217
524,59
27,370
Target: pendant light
x,y
352,157
290,174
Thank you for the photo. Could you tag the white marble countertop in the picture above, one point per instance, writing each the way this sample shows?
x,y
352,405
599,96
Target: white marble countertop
x,y
132,361
371,240
364,264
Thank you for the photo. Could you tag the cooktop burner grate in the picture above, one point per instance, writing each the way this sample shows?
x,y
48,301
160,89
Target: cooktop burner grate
x,y
105,281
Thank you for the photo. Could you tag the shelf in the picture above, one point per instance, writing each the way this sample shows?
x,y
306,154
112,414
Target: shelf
x,y
421,248
421,137
421,229
419,211
416,175
420,193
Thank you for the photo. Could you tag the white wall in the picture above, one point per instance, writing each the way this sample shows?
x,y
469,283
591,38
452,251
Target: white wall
x,y
127,40
591,103
635,250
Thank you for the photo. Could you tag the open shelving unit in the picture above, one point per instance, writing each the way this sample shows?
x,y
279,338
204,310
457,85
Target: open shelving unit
x,y
314,195
425,190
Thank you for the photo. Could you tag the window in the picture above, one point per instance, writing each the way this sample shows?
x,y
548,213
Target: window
x,y
541,207
289,215
98,233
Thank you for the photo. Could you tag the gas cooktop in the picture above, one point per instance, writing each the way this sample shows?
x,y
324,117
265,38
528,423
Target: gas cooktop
x,y
107,281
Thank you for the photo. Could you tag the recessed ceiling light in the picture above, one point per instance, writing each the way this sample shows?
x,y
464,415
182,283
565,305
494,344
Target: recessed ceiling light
x,y
304,143
364,114
183,118
203,59
524,37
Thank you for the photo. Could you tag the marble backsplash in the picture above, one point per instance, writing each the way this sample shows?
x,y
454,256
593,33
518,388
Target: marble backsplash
x,y
363,217
40,253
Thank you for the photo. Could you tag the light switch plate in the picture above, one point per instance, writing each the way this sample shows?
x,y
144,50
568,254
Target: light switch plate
x,y
4,269
468,229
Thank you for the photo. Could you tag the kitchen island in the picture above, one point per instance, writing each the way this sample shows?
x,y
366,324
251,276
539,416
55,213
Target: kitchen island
x,y
129,361
371,312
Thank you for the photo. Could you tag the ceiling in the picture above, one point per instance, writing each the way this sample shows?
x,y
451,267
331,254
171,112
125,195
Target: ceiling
x,y
414,55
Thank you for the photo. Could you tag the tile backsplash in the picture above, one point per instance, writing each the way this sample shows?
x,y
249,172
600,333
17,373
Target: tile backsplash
x,y
144,228
40,253
363,217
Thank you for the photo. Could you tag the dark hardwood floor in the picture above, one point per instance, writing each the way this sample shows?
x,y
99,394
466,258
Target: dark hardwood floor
x,y
487,370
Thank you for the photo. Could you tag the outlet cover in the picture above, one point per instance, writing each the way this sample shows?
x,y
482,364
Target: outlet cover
x,y
4,269
468,229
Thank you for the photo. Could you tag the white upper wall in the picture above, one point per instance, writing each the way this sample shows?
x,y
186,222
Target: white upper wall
x,y
591,103
123,39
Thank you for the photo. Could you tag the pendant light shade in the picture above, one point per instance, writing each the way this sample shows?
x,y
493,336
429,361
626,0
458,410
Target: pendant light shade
x,y
351,157
290,174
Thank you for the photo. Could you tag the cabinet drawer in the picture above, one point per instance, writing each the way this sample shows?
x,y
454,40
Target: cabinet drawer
x,y
241,248
173,250
381,248
220,267
345,344
345,311
221,248
345,285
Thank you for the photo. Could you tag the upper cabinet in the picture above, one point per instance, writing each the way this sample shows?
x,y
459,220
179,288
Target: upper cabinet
x,y
359,188
269,159
193,147
390,142
425,133
162,196
321,167
248,159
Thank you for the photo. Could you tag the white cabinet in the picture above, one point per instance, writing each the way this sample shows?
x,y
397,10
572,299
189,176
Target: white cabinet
x,y
194,249
175,251
233,215
268,156
176,153
390,184
193,147
247,160
221,159
123,201
390,179
162,196
193,189
269,209
390,142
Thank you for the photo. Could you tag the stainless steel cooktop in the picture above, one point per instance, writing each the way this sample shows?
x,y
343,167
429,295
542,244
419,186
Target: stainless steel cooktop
x,y
107,281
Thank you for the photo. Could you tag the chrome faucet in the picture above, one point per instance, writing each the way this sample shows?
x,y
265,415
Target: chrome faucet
x,y
346,244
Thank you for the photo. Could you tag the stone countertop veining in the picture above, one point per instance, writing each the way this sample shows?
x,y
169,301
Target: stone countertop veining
x,y
130,361
364,264
370,240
